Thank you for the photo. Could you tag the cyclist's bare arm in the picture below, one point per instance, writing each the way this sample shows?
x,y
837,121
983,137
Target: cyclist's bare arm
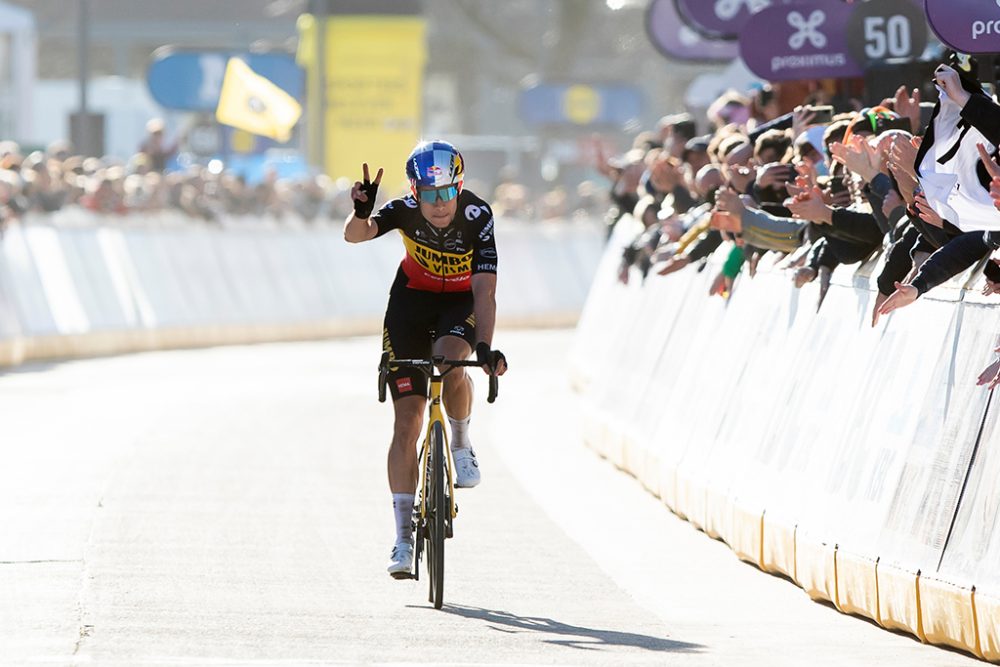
x,y
357,228
484,287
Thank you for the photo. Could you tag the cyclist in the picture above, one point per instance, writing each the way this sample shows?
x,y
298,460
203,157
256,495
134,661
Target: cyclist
x,y
442,303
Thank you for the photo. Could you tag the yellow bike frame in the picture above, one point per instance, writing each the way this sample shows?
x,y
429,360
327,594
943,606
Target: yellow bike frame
x,y
435,415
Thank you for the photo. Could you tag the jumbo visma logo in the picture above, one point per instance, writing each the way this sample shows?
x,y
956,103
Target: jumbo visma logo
x,y
443,264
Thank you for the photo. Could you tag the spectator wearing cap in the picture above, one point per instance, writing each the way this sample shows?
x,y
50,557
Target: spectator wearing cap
x,y
730,108
695,154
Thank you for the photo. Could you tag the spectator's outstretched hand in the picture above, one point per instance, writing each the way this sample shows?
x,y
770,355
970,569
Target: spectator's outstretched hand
x,y
675,263
903,296
879,300
902,168
991,288
991,376
726,222
776,174
740,177
908,106
994,171
802,117
806,174
858,156
903,154
927,213
810,206
728,201
803,275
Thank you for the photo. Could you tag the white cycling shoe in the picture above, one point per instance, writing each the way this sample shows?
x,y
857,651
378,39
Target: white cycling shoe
x,y
401,561
466,468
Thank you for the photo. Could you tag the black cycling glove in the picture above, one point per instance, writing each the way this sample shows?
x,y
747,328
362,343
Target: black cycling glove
x,y
363,209
488,357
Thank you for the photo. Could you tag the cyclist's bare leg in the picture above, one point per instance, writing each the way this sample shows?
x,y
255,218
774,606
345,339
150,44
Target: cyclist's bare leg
x,y
457,390
403,450
457,393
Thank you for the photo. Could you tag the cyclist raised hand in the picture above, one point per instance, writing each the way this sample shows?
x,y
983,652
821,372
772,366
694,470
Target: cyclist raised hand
x,y
443,302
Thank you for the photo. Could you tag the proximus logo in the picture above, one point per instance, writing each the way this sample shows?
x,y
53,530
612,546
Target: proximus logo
x,y
726,10
807,29
980,28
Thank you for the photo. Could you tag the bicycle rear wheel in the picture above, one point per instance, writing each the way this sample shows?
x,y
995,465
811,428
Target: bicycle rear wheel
x,y
438,509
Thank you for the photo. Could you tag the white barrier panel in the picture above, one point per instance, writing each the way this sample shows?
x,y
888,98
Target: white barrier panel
x,y
94,282
857,460
76,287
29,297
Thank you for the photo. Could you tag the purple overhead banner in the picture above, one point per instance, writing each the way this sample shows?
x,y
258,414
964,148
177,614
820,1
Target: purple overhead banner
x,y
721,19
969,26
674,39
807,40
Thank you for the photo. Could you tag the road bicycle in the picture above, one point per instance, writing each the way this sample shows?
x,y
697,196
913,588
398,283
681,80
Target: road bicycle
x,y
434,514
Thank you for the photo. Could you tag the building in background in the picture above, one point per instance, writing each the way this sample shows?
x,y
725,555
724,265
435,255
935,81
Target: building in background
x,y
18,68
124,34
481,56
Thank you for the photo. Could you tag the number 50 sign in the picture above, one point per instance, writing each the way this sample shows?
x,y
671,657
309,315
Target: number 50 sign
x,y
881,30
825,39
830,39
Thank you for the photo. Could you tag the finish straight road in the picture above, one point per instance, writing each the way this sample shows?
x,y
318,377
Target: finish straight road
x,y
229,507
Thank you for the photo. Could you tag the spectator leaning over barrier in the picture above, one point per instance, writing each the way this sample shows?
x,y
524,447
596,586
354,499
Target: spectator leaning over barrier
x,y
961,249
676,255
624,172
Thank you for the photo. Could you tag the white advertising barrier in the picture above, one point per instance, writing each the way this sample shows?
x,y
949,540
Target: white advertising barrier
x,y
29,298
860,461
74,284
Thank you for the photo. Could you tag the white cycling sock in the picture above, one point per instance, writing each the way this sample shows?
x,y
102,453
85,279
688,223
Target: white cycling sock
x,y
459,433
402,505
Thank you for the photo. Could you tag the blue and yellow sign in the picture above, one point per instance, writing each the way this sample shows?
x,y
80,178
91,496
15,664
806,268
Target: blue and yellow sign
x,y
580,104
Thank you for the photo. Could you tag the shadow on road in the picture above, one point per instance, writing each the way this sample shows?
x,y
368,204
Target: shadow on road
x,y
573,636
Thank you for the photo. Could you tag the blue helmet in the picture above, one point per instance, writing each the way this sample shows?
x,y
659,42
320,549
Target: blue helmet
x,y
434,164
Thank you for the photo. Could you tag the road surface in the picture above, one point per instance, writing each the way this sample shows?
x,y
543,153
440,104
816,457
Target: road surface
x,y
229,507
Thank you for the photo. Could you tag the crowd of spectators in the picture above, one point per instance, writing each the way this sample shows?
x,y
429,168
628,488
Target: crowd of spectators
x,y
913,183
50,180
150,181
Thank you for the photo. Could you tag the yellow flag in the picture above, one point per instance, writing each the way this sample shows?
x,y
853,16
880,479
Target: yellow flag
x,y
250,102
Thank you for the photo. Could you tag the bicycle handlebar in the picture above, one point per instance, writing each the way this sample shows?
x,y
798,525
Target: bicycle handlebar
x,y
427,367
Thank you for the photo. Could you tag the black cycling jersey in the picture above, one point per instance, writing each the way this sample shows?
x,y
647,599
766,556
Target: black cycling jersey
x,y
441,260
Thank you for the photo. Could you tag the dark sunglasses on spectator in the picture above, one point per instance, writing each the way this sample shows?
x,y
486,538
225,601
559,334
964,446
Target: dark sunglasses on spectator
x,y
434,195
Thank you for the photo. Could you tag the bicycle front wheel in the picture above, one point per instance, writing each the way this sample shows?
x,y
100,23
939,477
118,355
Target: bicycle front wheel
x,y
438,510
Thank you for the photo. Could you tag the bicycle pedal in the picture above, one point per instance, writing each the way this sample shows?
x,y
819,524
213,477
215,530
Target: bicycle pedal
x,y
403,575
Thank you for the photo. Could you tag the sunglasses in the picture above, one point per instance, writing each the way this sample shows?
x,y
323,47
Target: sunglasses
x,y
434,195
